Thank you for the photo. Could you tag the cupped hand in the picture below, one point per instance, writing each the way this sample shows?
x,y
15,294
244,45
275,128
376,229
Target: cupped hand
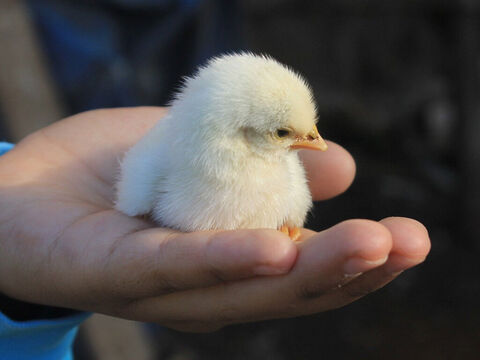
x,y
62,244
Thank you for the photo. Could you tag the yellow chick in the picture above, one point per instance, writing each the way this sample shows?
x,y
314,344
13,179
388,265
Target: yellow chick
x,y
225,156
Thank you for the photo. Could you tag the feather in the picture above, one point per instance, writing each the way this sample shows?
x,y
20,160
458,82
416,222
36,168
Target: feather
x,y
225,156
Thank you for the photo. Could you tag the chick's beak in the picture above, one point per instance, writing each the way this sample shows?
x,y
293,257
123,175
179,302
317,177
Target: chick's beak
x,y
312,141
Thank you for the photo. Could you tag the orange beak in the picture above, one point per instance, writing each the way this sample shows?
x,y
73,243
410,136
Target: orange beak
x,y
312,141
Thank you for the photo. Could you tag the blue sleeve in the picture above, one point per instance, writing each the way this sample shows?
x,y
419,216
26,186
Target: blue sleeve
x,y
39,339
4,147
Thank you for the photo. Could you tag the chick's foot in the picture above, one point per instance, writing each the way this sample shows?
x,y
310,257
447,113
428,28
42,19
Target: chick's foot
x,y
293,232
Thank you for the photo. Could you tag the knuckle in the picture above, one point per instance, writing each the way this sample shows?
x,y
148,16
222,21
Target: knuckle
x,y
211,259
167,247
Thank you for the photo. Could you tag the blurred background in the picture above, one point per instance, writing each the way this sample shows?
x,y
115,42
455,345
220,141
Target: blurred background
x,y
397,84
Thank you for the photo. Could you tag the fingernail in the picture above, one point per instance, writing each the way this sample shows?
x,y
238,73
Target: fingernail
x,y
358,265
269,270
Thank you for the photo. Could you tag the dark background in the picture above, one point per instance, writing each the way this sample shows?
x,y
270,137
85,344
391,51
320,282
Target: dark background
x,y
396,83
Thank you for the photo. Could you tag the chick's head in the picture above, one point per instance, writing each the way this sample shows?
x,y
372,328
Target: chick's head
x,y
255,100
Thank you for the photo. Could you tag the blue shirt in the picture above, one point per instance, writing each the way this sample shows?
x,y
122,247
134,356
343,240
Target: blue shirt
x,y
38,339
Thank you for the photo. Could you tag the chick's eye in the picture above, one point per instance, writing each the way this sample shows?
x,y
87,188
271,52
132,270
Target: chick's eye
x,y
282,133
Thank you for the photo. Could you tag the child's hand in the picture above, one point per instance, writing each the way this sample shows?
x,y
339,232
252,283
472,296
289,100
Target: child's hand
x,y
62,244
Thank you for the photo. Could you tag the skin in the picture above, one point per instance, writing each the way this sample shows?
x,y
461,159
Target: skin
x,y
62,244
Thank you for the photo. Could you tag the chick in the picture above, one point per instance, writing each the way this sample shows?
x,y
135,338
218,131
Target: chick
x,y
225,156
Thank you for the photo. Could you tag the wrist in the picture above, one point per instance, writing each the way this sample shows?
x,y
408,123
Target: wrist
x,y
20,310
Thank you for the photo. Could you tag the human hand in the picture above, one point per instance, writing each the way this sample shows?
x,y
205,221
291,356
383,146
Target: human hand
x,y
64,245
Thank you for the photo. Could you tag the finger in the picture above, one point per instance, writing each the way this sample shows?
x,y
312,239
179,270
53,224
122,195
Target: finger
x,y
324,260
330,173
411,243
409,248
158,261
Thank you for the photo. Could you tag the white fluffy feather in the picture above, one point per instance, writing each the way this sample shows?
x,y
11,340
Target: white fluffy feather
x,y
212,162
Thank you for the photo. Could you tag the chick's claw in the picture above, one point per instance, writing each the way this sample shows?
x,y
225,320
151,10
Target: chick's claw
x,y
292,232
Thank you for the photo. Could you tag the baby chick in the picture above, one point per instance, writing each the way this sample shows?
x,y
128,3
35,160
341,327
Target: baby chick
x,y
225,156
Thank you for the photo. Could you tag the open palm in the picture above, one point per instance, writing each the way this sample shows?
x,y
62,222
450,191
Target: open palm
x,y
62,243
